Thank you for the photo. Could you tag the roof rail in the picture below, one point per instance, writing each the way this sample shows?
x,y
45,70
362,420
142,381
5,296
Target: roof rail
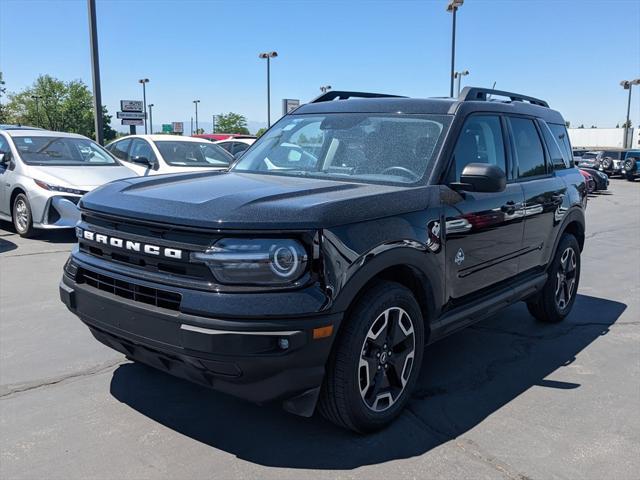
x,y
340,95
477,93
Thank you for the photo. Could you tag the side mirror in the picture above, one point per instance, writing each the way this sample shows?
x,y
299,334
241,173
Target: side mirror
x,y
481,177
138,160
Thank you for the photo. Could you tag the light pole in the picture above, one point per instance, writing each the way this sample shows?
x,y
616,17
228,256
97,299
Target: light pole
x,y
144,82
453,8
151,105
325,88
627,84
268,56
37,100
459,76
196,102
95,72
213,123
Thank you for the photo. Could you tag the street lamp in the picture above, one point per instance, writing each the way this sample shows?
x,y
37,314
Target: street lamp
x,y
196,102
268,56
151,105
459,76
325,88
37,99
453,8
627,84
144,82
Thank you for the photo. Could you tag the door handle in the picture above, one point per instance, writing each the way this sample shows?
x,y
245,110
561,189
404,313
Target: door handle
x,y
509,207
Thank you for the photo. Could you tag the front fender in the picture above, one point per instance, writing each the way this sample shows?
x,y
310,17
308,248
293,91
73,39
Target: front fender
x,y
425,265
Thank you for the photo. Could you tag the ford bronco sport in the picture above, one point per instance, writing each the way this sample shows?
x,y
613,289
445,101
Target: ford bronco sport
x,y
358,229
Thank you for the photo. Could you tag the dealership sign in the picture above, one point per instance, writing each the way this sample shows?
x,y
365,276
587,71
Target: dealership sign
x,y
289,105
130,115
131,105
132,121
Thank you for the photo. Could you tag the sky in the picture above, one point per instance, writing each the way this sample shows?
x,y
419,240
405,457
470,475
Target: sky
x,y
572,53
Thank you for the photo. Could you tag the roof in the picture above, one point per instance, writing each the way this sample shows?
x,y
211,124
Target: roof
x,y
17,127
164,138
26,132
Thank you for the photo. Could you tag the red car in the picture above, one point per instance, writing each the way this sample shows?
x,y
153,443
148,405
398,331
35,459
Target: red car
x,y
591,183
214,137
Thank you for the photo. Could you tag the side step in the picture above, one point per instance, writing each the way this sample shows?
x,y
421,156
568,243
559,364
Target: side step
x,y
466,315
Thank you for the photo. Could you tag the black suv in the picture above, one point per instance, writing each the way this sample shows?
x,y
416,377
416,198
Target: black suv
x,y
358,229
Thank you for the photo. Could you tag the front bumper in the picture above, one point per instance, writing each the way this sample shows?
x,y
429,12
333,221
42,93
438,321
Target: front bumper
x,y
56,211
258,359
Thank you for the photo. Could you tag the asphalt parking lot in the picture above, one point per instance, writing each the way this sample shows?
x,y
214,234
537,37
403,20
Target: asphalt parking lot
x,y
506,398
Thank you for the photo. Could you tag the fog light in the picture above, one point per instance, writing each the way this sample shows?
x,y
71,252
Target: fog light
x,y
283,343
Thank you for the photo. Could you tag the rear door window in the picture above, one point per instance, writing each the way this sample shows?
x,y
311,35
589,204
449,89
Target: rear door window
x,y
528,148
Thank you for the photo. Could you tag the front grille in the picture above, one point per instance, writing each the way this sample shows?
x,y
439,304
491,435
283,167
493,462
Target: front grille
x,y
193,271
129,290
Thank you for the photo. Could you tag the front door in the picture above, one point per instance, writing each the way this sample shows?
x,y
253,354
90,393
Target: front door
x,y
483,231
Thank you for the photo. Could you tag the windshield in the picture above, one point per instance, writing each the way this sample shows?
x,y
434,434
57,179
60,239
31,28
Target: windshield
x,y
368,147
62,151
193,154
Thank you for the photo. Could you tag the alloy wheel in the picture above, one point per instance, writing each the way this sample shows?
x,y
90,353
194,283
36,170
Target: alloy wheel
x,y
22,215
566,278
386,359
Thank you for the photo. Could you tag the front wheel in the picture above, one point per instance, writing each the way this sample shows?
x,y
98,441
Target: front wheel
x,y
554,302
22,217
376,360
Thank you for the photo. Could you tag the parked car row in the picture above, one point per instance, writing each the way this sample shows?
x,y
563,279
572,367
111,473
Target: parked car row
x,y
44,174
611,162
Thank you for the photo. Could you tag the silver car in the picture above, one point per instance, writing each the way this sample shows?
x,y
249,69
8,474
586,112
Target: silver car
x,y
44,174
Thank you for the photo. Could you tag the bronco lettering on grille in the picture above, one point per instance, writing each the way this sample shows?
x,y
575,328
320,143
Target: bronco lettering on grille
x,y
156,250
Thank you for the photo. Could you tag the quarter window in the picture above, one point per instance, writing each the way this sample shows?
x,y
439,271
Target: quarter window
x,y
562,136
555,154
528,147
480,141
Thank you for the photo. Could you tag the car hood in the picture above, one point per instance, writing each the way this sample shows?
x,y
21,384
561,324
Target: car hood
x,y
82,178
253,201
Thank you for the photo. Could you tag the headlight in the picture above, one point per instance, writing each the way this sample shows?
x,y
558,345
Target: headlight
x,y
57,188
263,261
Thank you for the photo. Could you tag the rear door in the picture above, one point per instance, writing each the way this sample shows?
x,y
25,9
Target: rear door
x,y
483,230
544,192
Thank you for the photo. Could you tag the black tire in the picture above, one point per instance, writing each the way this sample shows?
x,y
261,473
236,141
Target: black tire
x,y
630,177
546,306
341,400
22,217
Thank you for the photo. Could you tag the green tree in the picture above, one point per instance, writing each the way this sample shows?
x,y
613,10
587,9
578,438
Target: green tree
x,y
231,123
260,132
60,106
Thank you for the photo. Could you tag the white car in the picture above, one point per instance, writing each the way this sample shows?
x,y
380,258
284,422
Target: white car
x,y
44,174
156,154
236,145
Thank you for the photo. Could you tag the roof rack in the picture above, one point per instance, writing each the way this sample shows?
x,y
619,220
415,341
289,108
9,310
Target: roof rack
x,y
341,95
477,93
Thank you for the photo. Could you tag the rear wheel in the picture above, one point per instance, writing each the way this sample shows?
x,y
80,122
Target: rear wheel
x,y
554,302
22,218
376,360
